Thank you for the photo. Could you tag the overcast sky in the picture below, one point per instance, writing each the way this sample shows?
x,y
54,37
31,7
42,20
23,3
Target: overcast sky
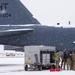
x,y
52,11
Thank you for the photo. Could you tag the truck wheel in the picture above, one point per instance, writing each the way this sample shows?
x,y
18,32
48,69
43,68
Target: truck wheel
x,y
40,68
26,68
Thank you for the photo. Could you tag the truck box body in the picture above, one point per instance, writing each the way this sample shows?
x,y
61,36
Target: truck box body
x,y
39,55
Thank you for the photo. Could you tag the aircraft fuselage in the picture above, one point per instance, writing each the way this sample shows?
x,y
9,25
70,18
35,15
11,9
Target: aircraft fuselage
x,y
61,38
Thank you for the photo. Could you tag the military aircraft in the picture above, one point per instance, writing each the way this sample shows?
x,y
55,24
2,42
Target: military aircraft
x,y
19,28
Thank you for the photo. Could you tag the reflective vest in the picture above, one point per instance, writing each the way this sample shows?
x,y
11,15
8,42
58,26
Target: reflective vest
x,y
56,54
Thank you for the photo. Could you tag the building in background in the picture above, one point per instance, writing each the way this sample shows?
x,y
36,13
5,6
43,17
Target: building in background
x,y
11,51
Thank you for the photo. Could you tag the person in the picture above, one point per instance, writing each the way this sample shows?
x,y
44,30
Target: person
x,y
57,59
71,65
73,57
64,58
68,60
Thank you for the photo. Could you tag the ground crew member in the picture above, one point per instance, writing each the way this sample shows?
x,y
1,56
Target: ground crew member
x,y
68,61
71,65
73,56
72,60
64,58
57,59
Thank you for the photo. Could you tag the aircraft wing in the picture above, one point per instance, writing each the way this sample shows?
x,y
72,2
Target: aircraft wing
x,y
12,32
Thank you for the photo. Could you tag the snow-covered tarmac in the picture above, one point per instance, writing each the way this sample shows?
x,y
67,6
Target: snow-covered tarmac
x,y
15,66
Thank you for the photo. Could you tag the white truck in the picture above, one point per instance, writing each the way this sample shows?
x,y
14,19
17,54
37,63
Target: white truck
x,y
37,57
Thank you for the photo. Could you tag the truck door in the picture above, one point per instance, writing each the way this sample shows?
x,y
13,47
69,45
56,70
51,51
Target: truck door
x,y
45,57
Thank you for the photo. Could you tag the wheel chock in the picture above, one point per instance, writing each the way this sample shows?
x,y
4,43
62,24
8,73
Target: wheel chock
x,y
52,70
55,70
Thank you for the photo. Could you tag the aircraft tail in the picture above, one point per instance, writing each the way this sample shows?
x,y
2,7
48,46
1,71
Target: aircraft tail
x,y
14,12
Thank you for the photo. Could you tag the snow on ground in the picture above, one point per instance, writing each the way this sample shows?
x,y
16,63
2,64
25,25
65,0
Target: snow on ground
x,y
11,60
15,66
